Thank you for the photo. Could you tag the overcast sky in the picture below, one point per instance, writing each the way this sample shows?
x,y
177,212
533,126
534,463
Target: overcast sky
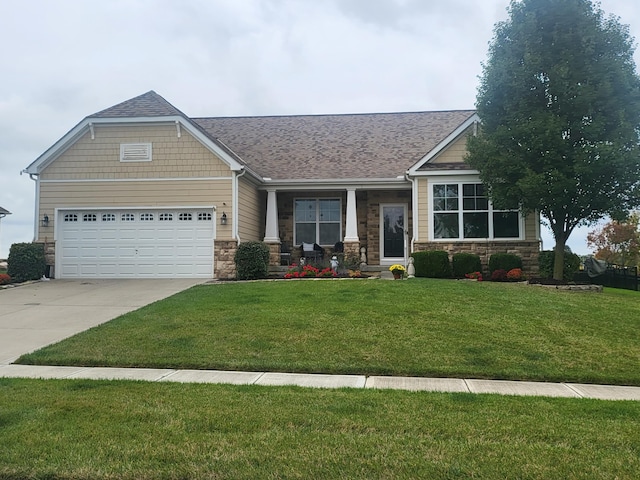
x,y
65,59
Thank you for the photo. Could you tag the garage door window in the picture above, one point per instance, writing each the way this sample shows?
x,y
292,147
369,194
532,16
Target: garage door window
x,y
204,216
146,217
70,217
128,217
108,217
165,217
89,217
185,217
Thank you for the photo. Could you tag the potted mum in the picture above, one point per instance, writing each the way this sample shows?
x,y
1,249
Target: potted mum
x,y
397,270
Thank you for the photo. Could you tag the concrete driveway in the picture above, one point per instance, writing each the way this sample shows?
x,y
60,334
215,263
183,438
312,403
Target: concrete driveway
x,y
35,315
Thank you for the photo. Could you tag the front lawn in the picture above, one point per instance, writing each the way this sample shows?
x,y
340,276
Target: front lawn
x,y
79,429
421,327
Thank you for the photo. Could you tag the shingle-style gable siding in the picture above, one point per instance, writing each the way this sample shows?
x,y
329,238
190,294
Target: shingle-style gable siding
x,y
173,157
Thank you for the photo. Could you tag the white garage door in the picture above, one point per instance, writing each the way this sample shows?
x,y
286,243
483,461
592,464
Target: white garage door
x,y
135,243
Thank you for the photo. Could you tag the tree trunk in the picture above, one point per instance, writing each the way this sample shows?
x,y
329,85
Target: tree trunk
x,y
558,263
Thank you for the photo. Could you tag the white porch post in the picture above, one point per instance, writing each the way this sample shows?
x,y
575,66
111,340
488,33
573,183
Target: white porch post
x,y
351,231
271,233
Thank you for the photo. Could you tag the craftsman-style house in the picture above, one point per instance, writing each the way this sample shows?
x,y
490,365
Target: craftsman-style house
x,y
142,190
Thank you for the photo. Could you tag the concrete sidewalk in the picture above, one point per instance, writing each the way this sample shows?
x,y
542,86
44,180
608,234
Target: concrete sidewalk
x,y
502,387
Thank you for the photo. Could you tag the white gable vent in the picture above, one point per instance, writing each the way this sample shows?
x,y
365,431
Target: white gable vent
x,y
135,152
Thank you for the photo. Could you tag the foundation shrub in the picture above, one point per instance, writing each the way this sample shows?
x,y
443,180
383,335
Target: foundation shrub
x,y
252,260
432,264
26,262
463,263
504,261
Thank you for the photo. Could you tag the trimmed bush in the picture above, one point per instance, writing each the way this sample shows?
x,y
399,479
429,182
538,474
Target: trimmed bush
x,y
546,261
464,263
26,262
504,261
432,264
252,260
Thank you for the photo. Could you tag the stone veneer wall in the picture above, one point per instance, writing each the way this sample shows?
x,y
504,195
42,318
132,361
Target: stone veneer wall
x,y
50,256
224,253
528,251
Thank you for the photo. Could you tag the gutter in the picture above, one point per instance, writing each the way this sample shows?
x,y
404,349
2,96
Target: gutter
x,y
36,213
236,215
414,210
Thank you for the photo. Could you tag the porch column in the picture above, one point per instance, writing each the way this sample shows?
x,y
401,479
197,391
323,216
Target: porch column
x,y
351,230
271,234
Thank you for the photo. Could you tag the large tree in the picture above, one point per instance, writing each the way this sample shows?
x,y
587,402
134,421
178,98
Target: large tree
x,y
559,101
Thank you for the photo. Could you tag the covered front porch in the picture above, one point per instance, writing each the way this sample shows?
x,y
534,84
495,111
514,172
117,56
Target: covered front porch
x,y
369,227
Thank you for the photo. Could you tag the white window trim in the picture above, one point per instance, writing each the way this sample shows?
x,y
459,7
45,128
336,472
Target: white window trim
x,y
317,221
136,152
460,181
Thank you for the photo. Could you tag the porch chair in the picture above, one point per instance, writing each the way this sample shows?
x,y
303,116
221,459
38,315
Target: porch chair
x,y
311,251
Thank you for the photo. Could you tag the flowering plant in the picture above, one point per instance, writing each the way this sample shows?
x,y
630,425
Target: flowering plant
x,y
4,279
308,271
474,276
397,269
515,275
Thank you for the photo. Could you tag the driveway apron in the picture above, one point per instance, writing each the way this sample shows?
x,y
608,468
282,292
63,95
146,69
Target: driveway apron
x,y
35,315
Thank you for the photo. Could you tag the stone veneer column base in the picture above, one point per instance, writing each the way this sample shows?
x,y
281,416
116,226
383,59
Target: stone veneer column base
x,y
224,264
274,254
352,249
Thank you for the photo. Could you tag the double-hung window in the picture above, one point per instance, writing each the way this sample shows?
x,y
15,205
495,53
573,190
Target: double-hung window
x,y
317,220
463,211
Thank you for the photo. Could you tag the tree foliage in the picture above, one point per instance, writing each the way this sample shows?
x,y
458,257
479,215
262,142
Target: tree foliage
x,y
559,101
617,242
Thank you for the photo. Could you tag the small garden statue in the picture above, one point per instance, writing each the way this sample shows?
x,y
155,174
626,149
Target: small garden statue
x,y
411,269
334,264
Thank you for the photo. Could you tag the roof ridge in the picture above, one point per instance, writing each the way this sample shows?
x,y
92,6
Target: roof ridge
x,y
149,104
316,115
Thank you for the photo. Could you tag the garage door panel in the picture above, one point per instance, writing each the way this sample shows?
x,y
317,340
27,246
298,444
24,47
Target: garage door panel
x,y
120,244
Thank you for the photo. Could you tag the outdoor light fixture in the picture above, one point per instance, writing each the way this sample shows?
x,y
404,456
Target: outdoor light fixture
x,y
45,220
223,219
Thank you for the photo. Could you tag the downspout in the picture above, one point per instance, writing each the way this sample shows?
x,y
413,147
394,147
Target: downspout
x,y
37,204
236,214
414,210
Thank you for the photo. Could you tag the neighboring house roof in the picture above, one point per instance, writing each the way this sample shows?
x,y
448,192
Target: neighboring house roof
x,y
4,212
373,146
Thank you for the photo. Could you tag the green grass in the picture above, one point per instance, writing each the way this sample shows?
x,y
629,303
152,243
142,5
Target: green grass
x,y
77,429
421,327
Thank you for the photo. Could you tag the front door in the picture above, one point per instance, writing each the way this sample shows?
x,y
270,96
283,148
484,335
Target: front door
x,y
392,233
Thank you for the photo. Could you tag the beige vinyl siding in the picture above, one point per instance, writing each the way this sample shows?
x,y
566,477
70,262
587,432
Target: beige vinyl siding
x,y
251,211
114,194
455,152
423,208
172,156
530,227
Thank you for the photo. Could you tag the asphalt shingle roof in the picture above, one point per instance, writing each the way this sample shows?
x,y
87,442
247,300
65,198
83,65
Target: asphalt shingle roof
x,y
149,104
322,147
